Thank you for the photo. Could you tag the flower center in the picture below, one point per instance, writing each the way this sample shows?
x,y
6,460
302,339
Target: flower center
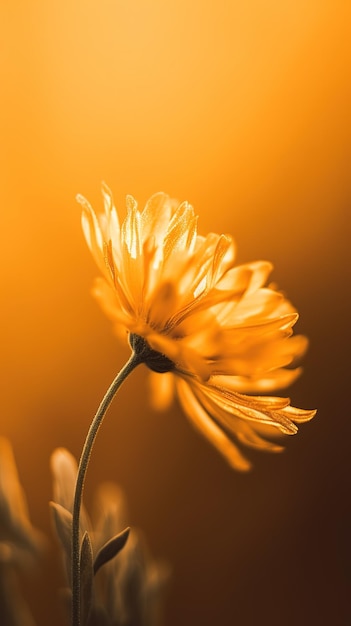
x,y
153,360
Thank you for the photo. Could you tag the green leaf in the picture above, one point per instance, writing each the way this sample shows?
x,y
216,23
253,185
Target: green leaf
x,y
86,579
110,549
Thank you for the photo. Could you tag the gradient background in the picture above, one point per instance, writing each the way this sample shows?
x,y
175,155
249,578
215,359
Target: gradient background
x,y
240,108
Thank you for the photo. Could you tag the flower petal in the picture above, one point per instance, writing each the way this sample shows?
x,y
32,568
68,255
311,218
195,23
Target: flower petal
x,y
203,422
161,390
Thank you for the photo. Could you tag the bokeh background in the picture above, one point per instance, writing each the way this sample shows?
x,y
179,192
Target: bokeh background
x,y
240,108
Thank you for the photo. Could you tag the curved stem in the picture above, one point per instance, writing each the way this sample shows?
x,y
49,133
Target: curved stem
x,y
134,360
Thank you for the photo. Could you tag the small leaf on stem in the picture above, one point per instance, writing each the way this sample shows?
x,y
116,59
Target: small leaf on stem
x,y
86,579
111,549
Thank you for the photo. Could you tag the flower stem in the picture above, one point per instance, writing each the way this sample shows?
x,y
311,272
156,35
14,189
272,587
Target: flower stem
x,y
134,360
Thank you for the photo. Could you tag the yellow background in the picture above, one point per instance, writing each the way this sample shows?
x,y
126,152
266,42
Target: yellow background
x,y
240,108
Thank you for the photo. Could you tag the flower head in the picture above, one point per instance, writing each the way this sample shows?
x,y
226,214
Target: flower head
x,y
209,329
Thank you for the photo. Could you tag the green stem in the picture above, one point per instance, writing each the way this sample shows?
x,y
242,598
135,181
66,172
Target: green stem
x,y
134,360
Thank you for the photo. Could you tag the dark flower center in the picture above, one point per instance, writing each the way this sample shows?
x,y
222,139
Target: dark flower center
x,y
154,360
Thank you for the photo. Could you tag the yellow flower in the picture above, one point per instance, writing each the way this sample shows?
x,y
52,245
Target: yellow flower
x,y
210,329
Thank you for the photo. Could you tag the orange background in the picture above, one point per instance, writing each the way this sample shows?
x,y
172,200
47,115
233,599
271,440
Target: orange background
x,y
240,108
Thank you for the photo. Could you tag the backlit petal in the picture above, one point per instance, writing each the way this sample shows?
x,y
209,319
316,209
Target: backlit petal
x,y
209,429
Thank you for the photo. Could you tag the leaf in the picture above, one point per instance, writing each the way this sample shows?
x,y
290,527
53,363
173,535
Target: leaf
x,y
63,524
110,549
86,579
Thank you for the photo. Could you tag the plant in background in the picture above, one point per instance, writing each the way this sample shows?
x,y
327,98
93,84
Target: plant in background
x,y
21,545
123,591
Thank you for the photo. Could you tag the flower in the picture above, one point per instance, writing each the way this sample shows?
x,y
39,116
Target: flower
x,y
215,332
129,589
